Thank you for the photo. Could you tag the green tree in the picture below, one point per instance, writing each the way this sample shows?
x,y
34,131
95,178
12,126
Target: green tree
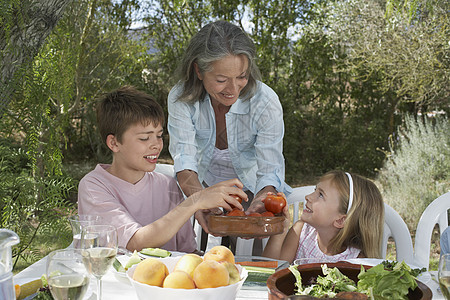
x,y
408,48
83,57
24,26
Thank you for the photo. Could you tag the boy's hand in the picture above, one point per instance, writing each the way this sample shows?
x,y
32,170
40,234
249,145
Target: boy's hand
x,y
222,194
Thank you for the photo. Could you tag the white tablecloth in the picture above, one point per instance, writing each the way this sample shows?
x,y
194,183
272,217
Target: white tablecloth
x,y
115,288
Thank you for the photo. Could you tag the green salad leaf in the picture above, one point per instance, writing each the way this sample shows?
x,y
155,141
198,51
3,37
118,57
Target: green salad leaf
x,y
332,283
387,280
379,283
44,291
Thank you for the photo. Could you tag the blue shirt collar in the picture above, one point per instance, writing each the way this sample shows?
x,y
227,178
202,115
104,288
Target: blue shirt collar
x,y
240,107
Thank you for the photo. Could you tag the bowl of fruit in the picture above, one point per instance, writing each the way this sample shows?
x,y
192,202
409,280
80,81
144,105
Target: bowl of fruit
x,y
237,223
190,276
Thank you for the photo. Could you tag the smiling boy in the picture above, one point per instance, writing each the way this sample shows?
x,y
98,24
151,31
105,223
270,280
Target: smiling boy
x,y
147,208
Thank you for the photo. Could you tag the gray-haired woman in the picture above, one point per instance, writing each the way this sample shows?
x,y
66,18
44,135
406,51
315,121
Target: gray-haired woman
x,y
223,121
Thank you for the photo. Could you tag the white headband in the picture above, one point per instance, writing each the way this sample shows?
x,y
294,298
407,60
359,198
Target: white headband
x,y
350,199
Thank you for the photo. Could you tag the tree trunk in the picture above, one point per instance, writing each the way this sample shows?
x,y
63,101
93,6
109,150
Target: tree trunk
x,y
23,30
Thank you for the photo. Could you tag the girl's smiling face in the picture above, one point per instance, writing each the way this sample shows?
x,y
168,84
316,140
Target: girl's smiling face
x,y
321,209
137,152
226,79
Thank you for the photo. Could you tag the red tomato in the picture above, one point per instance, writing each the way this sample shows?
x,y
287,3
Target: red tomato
x,y
267,214
274,203
236,212
255,214
237,198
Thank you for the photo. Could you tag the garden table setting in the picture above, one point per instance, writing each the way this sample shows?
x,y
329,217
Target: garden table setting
x,y
117,286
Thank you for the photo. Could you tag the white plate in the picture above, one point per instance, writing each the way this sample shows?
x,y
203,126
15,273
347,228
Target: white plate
x,y
424,277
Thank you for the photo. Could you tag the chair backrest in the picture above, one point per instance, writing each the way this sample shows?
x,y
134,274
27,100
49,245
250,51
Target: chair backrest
x,y
244,246
395,227
298,196
435,213
165,169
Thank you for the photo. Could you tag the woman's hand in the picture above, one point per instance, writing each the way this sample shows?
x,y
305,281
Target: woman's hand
x,y
201,217
257,204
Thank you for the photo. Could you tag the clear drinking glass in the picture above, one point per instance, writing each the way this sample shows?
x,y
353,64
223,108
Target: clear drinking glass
x,y
99,249
77,222
444,275
67,276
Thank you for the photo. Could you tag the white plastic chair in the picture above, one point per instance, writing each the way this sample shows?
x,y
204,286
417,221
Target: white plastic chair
x,y
244,246
435,213
166,169
395,227
298,196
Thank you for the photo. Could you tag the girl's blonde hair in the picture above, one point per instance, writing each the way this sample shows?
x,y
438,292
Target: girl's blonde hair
x,y
363,227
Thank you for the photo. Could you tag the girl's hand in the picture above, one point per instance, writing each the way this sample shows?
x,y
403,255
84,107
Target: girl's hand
x,y
287,216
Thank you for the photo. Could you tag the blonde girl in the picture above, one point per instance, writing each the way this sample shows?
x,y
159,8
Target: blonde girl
x,y
342,219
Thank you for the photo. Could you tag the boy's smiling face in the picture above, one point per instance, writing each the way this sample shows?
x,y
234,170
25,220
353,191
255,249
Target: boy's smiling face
x,y
137,152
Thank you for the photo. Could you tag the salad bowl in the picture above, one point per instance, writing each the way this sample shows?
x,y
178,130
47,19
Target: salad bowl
x,y
282,283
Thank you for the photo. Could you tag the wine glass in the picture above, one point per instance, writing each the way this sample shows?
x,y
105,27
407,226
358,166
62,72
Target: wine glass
x,y
444,275
77,222
99,249
67,276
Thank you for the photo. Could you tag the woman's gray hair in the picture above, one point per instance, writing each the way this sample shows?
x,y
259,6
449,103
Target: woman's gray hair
x,y
212,43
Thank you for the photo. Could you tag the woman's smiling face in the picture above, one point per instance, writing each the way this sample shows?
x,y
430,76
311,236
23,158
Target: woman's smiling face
x,y
226,79
322,206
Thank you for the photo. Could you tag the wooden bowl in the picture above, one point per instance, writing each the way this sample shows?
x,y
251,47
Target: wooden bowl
x,y
281,283
245,226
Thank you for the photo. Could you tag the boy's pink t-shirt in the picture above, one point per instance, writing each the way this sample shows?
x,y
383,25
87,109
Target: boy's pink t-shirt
x,y
132,206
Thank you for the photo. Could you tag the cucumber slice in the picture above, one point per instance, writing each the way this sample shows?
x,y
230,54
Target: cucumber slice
x,y
156,252
257,277
134,259
118,266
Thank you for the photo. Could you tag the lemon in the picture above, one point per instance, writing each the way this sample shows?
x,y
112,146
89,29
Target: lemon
x,y
29,288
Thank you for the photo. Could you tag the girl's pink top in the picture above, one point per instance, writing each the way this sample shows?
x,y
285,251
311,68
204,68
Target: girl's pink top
x,y
308,247
132,206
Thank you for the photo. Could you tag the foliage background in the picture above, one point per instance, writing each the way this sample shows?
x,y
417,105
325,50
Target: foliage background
x,y
355,79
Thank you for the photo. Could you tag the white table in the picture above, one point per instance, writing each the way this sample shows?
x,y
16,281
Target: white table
x,y
115,289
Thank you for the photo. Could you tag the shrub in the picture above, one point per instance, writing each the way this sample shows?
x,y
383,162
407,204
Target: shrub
x,y
33,207
417,168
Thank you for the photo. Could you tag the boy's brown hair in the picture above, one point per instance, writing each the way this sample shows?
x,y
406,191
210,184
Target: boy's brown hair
x,y
126,106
